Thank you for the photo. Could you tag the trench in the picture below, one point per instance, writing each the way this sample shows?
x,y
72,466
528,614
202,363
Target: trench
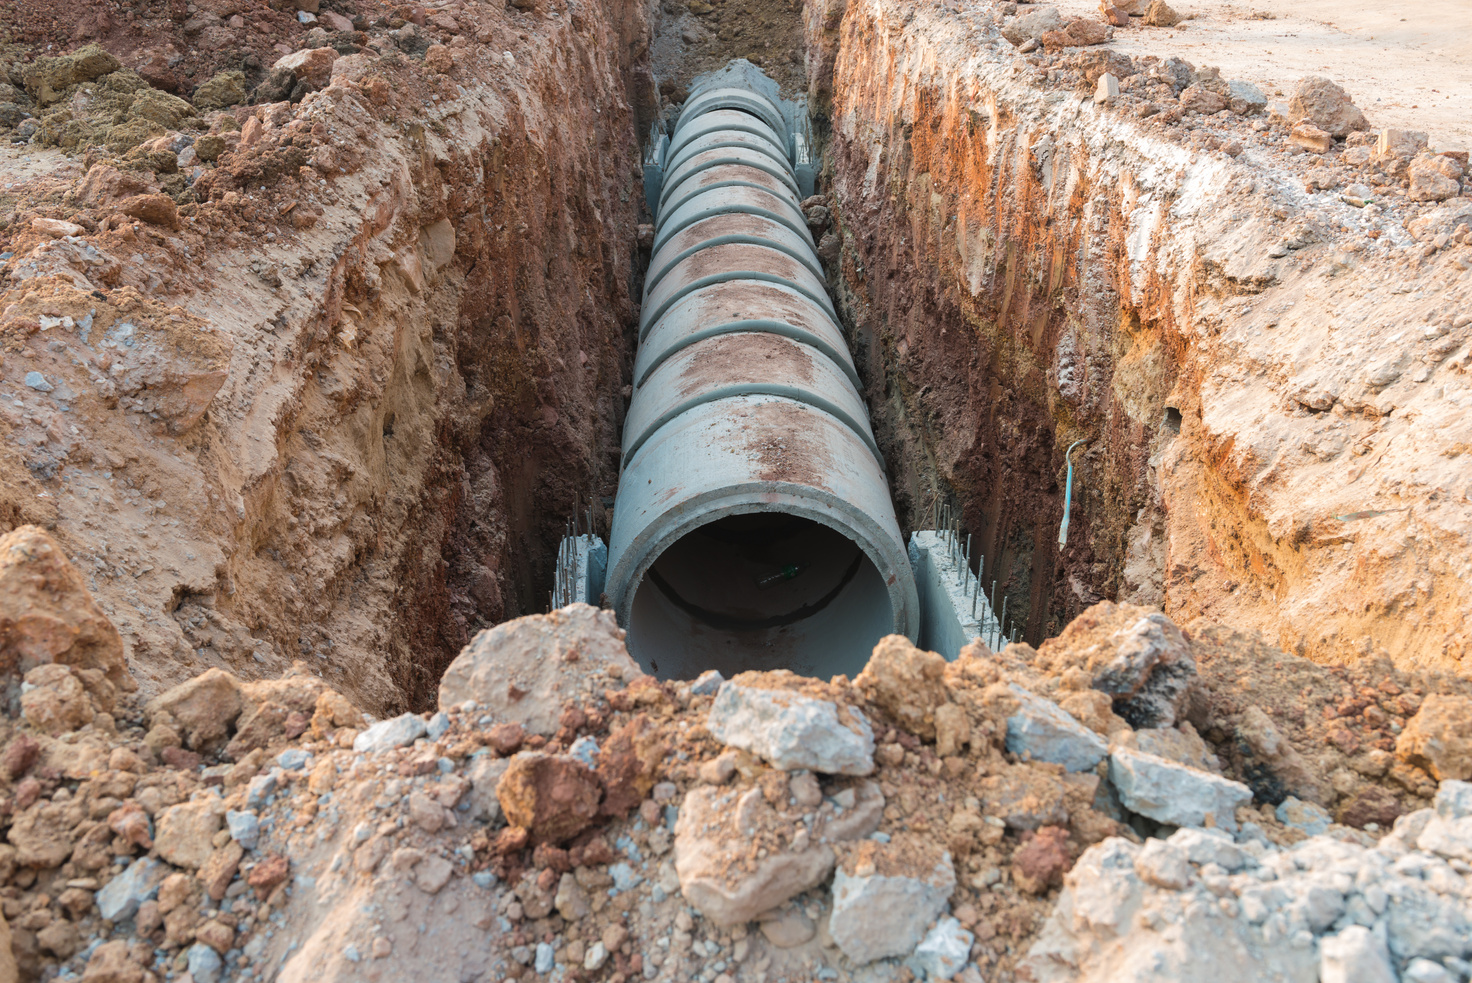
x,y
967,422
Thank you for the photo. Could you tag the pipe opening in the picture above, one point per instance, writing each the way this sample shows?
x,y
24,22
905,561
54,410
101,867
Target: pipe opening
x,y
759,590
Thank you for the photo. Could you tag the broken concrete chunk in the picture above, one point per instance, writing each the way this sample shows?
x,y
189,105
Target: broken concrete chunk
x,y
715,833
519,671
1244,98
885,894
791,729
1040,730
386,734
1305,816
1172,793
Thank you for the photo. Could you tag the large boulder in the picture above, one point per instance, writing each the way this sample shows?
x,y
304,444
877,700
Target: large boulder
x,y
48,615
1327,105
525,670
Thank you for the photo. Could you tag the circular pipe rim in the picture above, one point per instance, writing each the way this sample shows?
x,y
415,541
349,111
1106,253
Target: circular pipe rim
x,y
674,161
697,190
728,97
889,557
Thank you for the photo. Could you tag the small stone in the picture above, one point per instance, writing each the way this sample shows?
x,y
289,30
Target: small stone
x,y
791,928
1172,793
382,948
437,726
38,382
1106,91
1244,98
485,773
944,950
387,734
1448,830
1041,862
293,759
1195,98
554,798
120,898
718,770
432,874
584,749
544,959
260,789
426,812
1209,846
1163,864
1355,955
1040,730
596,957
205,964
1425,971
56,228
1311,819
791,730
708,682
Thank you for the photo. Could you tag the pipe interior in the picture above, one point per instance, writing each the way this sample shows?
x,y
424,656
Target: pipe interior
x,y
761,590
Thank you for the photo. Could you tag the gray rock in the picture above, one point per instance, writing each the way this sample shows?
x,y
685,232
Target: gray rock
x,y
205,964
1163,864
120,897
877,916
707,683
545,958
1426,971
1041,730
1168,792
1209,846
438,724
485,772
945,950
386,734
245,828
294,759
1031,25
584,749
1355,955
1311,819
791,730
38,382
1244,98
1150,673
259,790
1448,832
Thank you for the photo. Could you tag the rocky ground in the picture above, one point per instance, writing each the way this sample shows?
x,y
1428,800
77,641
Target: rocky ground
x,y
1126,799
314,329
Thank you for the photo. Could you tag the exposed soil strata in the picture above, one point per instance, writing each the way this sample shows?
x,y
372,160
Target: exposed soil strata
x,y
1022,269
403,301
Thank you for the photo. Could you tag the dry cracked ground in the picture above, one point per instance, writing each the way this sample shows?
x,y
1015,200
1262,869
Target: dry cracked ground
x,y
316,323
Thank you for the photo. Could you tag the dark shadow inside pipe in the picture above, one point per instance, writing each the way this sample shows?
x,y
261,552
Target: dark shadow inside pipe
x,y
761,590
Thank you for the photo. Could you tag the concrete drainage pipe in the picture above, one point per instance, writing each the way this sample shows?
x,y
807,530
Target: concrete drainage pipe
x,y
753,527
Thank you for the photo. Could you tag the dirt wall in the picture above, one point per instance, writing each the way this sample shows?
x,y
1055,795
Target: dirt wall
x,y
1021,268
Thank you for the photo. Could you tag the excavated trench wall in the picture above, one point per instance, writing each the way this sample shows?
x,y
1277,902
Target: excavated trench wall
x,y
1019,269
